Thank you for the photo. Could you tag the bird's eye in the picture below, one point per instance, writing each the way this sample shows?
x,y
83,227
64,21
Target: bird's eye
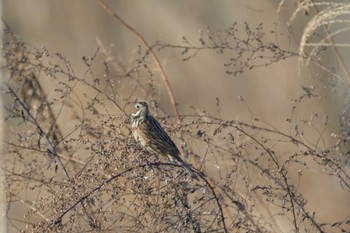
x,y
137,106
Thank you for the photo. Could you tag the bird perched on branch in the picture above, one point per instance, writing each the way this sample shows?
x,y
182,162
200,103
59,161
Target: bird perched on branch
x,y
151,135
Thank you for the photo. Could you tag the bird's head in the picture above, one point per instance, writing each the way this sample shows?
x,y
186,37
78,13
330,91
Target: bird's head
x,y
140,110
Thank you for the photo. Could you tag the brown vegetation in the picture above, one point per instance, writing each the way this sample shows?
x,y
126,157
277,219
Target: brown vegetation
x,y
72,164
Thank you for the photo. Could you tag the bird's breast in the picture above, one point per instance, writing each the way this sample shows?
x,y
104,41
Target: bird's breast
x,y
139,137
134,124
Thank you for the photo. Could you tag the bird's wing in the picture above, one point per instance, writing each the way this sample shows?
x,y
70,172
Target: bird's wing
x,y
161,139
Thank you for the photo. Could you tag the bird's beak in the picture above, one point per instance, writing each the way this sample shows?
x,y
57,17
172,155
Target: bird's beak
x,y
136,112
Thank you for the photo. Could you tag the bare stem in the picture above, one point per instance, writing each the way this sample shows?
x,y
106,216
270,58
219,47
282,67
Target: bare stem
x,y
153,55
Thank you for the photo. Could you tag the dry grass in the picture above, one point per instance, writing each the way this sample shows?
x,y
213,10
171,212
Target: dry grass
x,y
73,166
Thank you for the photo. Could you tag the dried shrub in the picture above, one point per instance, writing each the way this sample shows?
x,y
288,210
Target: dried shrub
x,y
73,165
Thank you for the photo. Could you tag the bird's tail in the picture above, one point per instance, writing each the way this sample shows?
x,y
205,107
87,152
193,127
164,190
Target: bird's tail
x,y
190,170
188,167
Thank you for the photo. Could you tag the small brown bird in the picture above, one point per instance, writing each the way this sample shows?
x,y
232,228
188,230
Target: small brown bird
x,y
151,135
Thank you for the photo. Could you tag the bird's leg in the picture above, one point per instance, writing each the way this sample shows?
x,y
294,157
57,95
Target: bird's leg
x,y
154,161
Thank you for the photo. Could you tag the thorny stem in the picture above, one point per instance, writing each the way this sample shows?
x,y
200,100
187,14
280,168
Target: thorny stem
x,y
154,57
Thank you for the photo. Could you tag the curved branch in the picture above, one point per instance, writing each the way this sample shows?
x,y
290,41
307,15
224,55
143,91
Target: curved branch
x,y
58,219
154,57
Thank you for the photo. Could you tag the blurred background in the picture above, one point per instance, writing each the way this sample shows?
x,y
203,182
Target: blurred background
x,y
266,92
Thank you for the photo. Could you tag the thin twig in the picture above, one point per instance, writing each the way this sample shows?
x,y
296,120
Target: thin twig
x,y
148,47
216,196
52,146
